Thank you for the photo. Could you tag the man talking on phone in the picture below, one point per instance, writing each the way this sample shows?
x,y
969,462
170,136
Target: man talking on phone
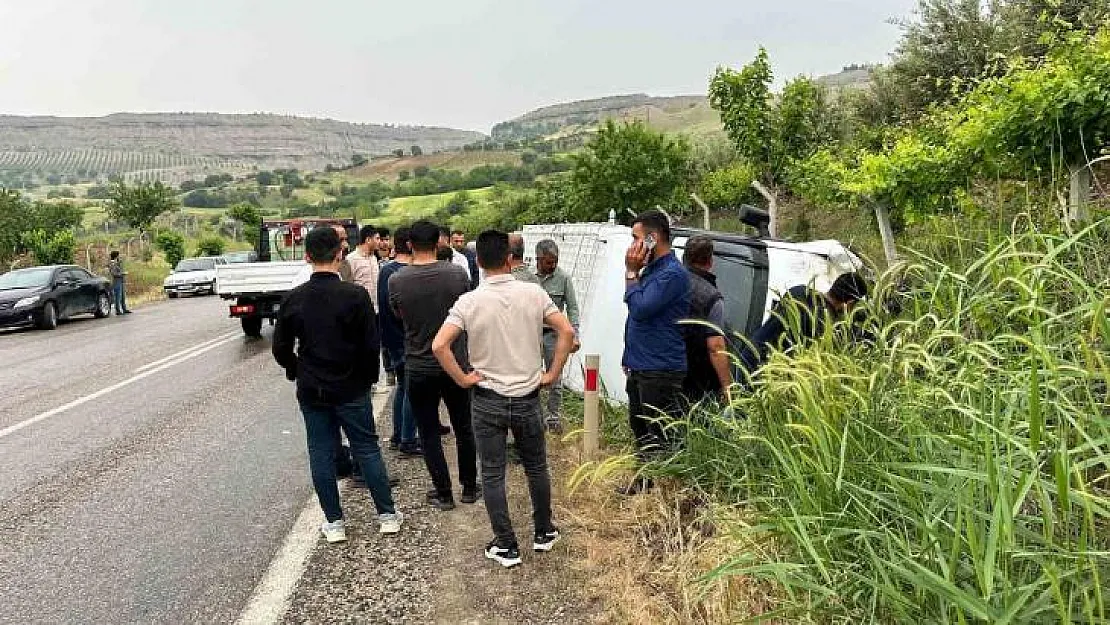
x,y
657,293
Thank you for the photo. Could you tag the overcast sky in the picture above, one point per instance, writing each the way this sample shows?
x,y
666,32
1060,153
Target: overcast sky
x,y
459,63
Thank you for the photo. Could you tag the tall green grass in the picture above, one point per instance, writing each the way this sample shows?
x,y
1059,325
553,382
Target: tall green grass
x,y
955,470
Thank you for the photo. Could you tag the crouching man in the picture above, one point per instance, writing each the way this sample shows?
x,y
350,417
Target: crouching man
x,y
504,320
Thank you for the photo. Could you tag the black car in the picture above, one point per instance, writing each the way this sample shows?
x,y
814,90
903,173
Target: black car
x,y
42,295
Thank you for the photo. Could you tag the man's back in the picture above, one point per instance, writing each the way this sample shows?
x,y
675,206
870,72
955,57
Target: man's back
x,y
422,295
392,330
503,319
333,327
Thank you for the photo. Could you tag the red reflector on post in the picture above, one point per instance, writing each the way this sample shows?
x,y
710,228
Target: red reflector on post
x,y
591,379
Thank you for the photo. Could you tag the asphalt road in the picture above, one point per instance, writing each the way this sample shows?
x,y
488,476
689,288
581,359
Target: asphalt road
x,y
141,482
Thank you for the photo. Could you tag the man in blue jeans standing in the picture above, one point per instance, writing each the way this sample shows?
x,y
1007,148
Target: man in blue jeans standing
x,y
327,341
393,343
119,283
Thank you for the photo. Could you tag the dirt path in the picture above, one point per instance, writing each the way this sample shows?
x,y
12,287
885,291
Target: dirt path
x,y
435,570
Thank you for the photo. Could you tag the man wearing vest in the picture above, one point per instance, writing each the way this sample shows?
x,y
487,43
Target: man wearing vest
x,y
707,360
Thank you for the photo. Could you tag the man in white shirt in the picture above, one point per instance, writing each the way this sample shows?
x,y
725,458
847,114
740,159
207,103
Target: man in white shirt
x,y
456,257
504,319
362,266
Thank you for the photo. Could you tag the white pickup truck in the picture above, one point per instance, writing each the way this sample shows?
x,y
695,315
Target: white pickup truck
x,y
258,288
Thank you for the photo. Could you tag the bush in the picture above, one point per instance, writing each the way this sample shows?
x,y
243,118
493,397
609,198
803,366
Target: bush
x,y
210,246
50,249
952,470
172,246
728,188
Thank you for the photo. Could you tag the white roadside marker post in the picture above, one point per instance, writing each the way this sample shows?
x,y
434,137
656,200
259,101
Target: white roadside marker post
x,y
591,415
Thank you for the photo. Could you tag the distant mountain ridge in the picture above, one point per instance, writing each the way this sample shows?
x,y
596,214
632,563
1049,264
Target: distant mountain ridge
x,y
684,113
172,146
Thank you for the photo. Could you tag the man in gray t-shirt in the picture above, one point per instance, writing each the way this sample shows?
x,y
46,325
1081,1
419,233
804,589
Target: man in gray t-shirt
x,y
421,296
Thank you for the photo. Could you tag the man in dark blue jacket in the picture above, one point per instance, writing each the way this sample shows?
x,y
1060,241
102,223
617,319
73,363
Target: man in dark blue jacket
x,y
657,293
326,339
393,342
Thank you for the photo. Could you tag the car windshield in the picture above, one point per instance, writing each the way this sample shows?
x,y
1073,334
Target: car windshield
x,y
195,264
25,279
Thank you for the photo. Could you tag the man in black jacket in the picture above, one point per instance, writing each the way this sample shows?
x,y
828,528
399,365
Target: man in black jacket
x,y
327,341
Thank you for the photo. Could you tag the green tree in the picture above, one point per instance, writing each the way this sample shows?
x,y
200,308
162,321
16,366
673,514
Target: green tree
x,y
459,203
404,175
420,171
727,188
249,216
358,159
399,153
416,150
172,245
743,99
139,205
55,248
266,178
210,246
629,167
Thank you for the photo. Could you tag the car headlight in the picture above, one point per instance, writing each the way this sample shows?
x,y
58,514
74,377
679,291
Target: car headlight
x,y
28,301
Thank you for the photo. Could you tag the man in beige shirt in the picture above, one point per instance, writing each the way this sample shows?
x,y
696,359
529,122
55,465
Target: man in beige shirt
x,y
362,266
504,319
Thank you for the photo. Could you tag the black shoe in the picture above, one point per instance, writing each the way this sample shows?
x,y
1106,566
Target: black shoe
x,y
471,495
546,540
638,486
411,451
507,557
439,501
444,430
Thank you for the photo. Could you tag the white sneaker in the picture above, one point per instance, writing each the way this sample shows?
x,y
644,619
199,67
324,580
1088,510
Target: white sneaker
x,y
334,532
391,523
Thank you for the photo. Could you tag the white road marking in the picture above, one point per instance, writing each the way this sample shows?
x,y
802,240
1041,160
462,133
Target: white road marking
x,y
184,351
270,599
12,429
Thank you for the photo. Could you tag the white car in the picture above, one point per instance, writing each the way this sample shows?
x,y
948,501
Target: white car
x,y
193,276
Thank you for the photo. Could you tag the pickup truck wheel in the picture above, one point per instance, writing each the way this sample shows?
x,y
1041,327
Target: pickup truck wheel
x,y
252,326
172,295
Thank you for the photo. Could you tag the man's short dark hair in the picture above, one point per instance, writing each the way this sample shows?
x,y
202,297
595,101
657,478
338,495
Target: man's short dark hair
x,y
322,244
424,236
516,250
444,231
114,255
459,232
655,221
383,233
698,252
366,232
849,288
401,240
492,249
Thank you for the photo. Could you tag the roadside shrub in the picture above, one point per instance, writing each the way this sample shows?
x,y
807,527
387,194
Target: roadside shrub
x,y
172,245
50,249
211,246
728,188
956,469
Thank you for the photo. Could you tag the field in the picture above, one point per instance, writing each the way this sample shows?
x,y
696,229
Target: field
x,y
388,168
403,210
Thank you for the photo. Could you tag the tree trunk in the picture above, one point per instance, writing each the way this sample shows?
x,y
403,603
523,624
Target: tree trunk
x,y
772,208
886,230
1079,177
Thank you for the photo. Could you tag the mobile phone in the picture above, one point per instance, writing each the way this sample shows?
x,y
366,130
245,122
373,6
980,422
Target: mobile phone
x,y
650,242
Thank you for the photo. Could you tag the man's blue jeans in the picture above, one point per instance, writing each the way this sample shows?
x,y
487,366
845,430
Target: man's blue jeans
x,y
322,420
119,296
404,423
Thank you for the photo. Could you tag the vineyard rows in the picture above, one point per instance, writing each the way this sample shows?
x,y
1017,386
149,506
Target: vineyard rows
x,y
105,163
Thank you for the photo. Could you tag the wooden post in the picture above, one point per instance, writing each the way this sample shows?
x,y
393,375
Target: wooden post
x,y
591,418
704,211
886,230
772,208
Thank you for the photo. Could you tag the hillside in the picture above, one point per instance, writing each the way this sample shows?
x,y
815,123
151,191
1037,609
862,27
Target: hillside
x,y
387,168
178,146
690,114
